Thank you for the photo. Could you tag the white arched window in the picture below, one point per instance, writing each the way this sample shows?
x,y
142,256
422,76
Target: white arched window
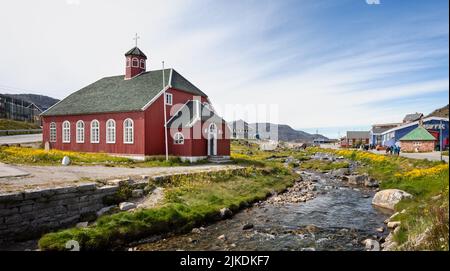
x,y
128,131
142,63
66,131
52,132
80,131
135,63
128,62
178,139
111,131
95,131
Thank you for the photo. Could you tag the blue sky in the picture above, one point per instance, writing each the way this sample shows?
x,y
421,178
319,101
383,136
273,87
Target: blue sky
x,y
325,63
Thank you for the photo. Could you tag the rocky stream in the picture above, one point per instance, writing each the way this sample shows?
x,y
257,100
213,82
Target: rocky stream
x,y
322,211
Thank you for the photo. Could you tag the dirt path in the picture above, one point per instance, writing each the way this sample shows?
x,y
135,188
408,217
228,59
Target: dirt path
x,y
51,176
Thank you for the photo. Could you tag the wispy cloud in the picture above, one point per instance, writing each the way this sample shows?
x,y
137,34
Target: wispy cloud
x,y
326,63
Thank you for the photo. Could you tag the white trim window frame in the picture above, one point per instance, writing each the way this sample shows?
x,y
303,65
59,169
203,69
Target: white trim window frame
x,y
168,99
135,62
111,131
52,135
80,132
128,131
66,132
95,131
178,138
142,63
128,61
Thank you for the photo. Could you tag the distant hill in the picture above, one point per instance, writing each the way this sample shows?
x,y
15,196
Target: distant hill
x,y
441,112
285,132
43,102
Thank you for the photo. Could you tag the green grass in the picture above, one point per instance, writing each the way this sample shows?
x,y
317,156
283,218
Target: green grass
x,y
7,124
189,202
32,156
323,165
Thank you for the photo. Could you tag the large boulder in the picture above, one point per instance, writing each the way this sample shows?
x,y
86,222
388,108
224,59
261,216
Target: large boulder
x,y
388,198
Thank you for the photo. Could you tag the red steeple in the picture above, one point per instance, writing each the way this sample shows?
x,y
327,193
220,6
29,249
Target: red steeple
x,y
135,63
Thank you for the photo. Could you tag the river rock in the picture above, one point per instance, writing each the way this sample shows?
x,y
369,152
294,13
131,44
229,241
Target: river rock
x,y
371,182
388,198
196,230
341,172
393,224
65,161
82,224
380,229
248,226
357,179
125,206
225,213
137,193
222,237
371,245
105,210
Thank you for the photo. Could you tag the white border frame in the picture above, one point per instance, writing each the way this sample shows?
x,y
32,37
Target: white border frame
x,y
76,132
90,129
132,131
63,131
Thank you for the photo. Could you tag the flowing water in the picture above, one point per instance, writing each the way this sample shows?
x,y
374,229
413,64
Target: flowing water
x,y
340,217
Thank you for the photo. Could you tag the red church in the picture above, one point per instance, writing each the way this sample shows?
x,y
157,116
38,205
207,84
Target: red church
x,y
124,115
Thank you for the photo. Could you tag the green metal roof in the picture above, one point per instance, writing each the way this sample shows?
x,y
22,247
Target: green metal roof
x,y
135,52
114,94
418,134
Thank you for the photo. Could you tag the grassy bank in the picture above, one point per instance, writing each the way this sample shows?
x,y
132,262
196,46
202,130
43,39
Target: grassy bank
x,y
7,124
31,156
188,202
425,224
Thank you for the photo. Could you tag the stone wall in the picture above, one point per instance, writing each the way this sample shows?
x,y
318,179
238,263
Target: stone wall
x,y
25,215
28,214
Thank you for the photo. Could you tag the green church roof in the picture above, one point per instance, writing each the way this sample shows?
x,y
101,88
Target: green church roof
x,y
114,94
135,52
418,134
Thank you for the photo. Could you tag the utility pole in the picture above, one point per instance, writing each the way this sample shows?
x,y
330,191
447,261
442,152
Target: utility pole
x,y
165,112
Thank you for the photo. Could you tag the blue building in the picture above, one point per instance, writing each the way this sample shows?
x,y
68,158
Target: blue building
x,y
437,126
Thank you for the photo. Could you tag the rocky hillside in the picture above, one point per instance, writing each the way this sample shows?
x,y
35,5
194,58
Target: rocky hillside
x,y
441,112
43,102
283,132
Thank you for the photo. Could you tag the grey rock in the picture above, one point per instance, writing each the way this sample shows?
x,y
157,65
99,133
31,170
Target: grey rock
x,y
248,226
82,224
65,161
388,198
371,245
357,179
137,193
125,206
393,224
105,210
225,213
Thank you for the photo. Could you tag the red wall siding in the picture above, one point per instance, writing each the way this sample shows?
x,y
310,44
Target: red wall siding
x,y
154,121
138,147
